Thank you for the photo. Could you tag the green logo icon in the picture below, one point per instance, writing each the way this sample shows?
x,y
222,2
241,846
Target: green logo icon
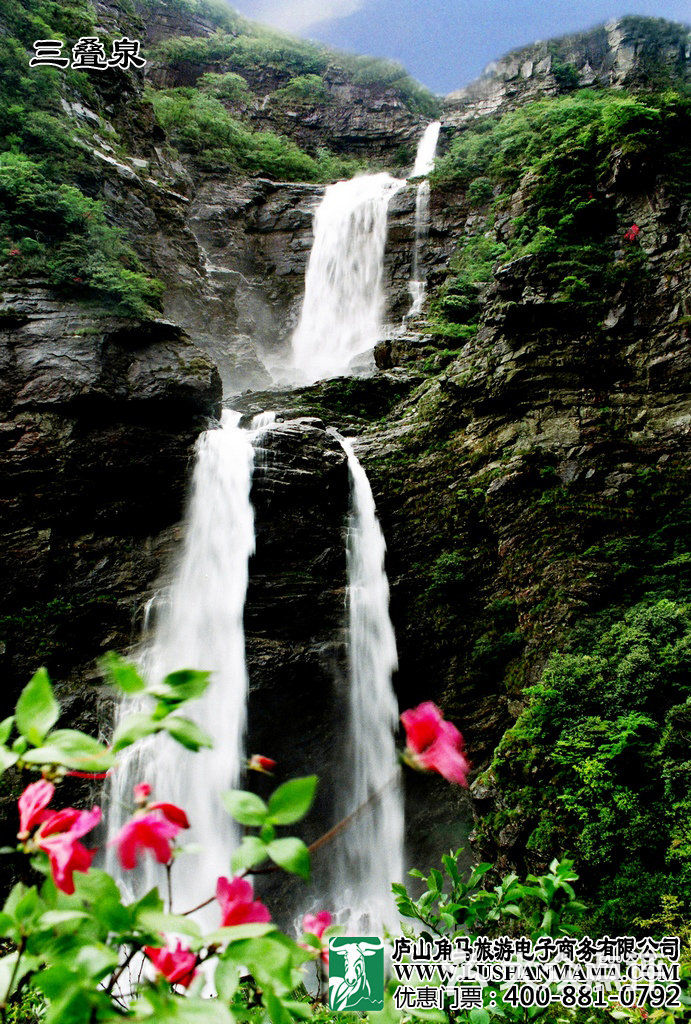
x,y
356,973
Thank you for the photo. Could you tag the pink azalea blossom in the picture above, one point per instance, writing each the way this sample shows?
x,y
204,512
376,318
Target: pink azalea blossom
x,y
237,903
175,815
177,965
149,831
316,924
433,744
59,836
142,792
32,806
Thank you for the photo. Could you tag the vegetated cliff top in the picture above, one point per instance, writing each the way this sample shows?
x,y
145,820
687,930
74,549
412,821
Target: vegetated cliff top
x,y
188,37
630,52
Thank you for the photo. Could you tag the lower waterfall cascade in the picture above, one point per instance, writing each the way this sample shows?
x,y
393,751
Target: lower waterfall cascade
x,y
199,624
198,618
369,856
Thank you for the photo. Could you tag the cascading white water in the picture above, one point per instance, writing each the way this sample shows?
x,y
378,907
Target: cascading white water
x,y
424,164
426,150
200,625
343,304
369,854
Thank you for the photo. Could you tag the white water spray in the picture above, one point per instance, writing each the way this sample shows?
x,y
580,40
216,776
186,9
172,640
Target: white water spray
x,y
200,625
369,855
343,305
424,164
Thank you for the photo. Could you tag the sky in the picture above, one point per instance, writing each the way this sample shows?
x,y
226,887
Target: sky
x,y
445,43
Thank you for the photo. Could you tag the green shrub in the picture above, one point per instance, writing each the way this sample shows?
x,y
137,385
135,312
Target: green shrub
x,y
601,758
57,233
303,89
228,86
199,124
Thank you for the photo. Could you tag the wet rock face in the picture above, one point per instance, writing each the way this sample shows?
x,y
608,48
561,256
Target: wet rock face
x,y
255,238
99,418
295,611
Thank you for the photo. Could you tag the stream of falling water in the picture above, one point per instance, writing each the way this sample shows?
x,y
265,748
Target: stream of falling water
x,y
369,855
424,163
199,624
344,297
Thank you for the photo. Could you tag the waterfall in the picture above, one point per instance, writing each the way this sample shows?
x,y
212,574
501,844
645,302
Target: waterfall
x,y
424,163
369,855
199,624
426,150
343,304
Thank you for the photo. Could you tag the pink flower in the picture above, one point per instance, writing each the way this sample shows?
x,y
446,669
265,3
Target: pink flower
x,y
237,903
433,744
149,831
632,234
32,804
177,965
316,924
59,836
259,763
142,792
175,815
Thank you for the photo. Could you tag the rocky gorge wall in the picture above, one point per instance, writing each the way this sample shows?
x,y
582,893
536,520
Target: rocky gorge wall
x,y
506,464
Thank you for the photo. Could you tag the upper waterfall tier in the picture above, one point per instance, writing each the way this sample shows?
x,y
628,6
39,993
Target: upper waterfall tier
x,y
426,150
344,297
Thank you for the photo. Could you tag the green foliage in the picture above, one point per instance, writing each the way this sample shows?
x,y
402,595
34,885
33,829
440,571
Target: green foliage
x,y
228,86
287,805
303,89
298,63
559,153
199,124
54,231
600,760
65,944
453,906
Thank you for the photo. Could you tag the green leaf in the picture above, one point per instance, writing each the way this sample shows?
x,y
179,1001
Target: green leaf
x,y
292,855
291,801
187,733
135,727
245,807
7,759
478,1016
239,932
72,749
187,684
226,980
37,709
6,729
156,921
252,851
122,674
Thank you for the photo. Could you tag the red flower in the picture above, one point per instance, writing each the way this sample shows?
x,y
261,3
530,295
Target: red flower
x,y
433,744
142,792
175,815
32,804
177,965
259,763
237,904
59,836
316,924
148,831
15,252
632,234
